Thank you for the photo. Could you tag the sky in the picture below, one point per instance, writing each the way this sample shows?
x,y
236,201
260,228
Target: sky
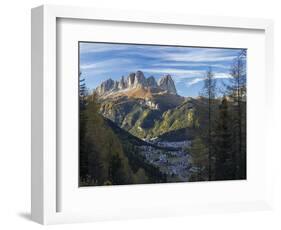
x,y
186,65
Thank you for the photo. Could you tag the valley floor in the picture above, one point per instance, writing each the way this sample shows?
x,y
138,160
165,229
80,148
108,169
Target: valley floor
x,y
170,157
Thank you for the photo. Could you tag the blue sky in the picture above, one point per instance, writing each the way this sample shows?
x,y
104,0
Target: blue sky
x,y
186,65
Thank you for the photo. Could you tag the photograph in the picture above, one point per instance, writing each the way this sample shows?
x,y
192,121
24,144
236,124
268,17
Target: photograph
x,y
155,113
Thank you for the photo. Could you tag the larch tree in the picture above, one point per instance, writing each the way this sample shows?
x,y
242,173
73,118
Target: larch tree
x,y
199,156
83,156
209,91
236,90
224,167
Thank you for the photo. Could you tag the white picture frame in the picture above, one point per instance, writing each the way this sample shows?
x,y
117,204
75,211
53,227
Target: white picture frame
x,y
45,182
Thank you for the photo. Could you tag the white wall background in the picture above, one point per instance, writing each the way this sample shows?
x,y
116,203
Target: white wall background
x,y
15,112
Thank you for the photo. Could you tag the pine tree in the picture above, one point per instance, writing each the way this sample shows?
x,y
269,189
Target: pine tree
x,y
93,151
209,91
236,90
83,156
224,167
82,92
199,157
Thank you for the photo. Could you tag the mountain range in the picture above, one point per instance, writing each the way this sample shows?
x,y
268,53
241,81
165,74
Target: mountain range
x,y
137,80
146,108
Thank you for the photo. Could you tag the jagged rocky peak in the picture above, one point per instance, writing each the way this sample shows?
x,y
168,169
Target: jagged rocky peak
x,y
122,83
140,80
131,80
105,86
151,82
115,85
137,80
167,84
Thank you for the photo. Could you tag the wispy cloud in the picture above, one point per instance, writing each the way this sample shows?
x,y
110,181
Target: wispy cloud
x,y
194,81
191,64
200,55
202,78
187,65
185,54
175,71
109,63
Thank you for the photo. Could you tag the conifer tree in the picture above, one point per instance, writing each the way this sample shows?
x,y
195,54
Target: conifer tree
x,y
236,90
199,156
209,91
83,156
224,167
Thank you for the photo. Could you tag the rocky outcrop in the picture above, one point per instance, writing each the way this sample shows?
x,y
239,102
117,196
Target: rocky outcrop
x,y
105,87
122,83
131,80
140,80
167,84
137,80
115,85
151,82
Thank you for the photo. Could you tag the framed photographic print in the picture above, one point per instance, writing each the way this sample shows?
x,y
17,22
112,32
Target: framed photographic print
x,y
138,114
